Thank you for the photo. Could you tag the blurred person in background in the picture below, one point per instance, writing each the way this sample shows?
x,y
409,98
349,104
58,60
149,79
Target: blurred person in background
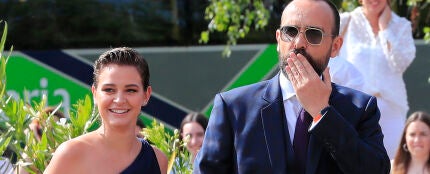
x,y
191,132
380,45
413,152
193,125
344,73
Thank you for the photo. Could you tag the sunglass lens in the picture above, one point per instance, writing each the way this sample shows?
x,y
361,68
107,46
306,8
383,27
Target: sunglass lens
x,y
291,32
314,36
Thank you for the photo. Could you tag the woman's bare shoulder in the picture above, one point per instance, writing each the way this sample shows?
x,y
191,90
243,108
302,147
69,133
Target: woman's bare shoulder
x,y
72,155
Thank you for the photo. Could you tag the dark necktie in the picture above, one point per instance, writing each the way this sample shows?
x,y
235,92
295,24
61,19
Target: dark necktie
x,y
301,139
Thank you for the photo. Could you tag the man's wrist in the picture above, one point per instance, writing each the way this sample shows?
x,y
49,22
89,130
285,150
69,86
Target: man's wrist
x,y
321,113
325,110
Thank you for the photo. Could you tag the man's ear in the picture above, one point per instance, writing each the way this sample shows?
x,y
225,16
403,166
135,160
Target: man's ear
x,y
336,46
278,39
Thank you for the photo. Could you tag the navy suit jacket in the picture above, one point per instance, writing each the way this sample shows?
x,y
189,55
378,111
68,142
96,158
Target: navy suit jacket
x,y
247,133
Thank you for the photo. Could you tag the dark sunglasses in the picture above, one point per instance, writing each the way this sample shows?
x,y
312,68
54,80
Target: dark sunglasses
x,y
314,36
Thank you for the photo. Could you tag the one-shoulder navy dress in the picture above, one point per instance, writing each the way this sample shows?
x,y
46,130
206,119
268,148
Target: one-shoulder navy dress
x,y
145,162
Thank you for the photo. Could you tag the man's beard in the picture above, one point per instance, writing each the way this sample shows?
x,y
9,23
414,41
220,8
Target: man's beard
x,y
318,65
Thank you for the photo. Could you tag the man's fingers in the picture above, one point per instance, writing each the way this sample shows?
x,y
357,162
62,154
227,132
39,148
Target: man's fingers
x,y
291,77
295,72
308,69
299,63
306,65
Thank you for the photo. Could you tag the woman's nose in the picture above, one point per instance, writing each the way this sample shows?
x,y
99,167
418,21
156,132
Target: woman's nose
x,y
192,141
119,98
416,139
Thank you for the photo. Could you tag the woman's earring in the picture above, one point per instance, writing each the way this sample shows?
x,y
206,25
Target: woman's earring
x,y
405,148
144,104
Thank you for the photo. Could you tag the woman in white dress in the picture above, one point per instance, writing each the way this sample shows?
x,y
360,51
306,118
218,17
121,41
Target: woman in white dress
x,y
379,44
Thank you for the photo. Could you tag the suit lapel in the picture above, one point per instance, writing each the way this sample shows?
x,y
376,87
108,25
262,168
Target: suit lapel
x,y
276,135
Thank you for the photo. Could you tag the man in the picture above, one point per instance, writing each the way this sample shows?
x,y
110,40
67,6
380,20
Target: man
x,y
259,128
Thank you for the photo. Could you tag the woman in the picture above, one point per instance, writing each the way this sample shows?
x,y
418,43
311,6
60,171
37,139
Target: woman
x,y
120,89
380,45
192,131
413,152
193,126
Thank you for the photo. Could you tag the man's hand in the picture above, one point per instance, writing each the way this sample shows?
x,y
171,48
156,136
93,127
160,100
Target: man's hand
x,y
312,93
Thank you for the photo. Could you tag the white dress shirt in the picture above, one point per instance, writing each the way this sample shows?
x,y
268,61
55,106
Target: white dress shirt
x,y
291,104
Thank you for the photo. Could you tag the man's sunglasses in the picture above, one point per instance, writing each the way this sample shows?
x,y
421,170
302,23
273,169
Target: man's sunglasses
x,y
314,36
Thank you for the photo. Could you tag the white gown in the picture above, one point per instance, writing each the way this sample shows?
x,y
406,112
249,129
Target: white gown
x,y
382,68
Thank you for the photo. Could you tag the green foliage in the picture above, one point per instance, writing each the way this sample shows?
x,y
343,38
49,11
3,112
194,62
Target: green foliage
x,y
171,145
158,137
416,2
34,155
5,136
235,18
84,118
15,116
37,154
3,61
427,34
348,5
4,141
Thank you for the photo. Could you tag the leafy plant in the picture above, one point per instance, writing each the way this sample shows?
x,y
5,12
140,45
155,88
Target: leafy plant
x,y
5,136
34,155
15,116
172,146
37,154
427,34
235,18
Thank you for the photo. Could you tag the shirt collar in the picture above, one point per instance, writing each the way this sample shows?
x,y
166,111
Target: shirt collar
x,y
286,87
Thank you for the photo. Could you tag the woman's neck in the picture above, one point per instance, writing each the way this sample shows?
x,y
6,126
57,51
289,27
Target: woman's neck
x,y
373,20
120,146
116,138
418,166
